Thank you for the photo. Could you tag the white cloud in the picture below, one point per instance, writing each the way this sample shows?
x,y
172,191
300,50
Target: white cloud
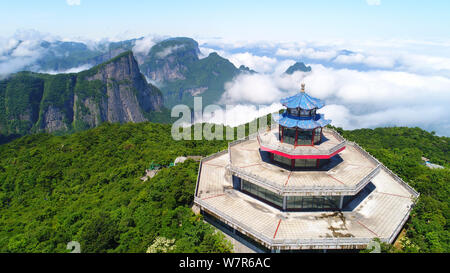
x,y
73,2
261,64
306,52
168,50
71,70
143,45
355,98
235,115
16,54
373,2
254,88
429,119
205,51
371,61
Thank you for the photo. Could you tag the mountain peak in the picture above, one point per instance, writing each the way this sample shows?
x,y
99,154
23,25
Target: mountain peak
x,y
298,66
114,91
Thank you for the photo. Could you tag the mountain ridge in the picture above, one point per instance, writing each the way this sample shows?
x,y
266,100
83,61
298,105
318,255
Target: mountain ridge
x,y
114,91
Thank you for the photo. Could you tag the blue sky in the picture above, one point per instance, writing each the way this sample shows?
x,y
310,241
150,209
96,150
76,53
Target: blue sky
x,y
256,20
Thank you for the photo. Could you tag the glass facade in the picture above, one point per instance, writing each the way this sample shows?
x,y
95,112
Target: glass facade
x,y
262,193
313,202
317,134
306,163
289,135
304,137
282,159
299,163
301,112
293,202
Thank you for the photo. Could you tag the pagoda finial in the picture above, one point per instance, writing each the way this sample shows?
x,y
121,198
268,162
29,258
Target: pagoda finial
x,y
303,88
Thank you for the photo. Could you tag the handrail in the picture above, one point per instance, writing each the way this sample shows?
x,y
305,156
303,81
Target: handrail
x,y
291,243
285,243
386,169
282,190
212,156
317,151
400,226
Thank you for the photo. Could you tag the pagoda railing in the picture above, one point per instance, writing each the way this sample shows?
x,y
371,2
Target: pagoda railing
x,y
304,191
302,151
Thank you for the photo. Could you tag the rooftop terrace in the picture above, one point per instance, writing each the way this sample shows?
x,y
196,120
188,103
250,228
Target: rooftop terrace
x,y
331,142
346,174
380,214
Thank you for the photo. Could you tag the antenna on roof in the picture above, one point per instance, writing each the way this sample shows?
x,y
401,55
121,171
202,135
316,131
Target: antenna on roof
x,y
303,88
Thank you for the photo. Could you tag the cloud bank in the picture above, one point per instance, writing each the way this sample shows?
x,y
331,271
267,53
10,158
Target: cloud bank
x,y
373,2
73,2
364,83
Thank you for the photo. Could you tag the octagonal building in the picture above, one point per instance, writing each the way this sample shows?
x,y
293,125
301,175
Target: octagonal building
x,y
301,186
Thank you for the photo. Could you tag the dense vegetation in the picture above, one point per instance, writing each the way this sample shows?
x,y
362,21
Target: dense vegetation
x,y
85,187
401,149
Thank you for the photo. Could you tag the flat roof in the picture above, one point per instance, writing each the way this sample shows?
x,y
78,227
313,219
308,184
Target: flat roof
x,y
342,176
331,141
381,214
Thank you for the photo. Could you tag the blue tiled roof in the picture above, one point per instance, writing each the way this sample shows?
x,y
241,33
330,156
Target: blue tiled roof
x,y
302,123
302,100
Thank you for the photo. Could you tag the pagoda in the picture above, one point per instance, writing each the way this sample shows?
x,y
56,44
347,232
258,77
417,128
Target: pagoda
x,y
300,185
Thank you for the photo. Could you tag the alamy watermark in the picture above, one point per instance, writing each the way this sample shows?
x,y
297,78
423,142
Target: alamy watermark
x,y
182,128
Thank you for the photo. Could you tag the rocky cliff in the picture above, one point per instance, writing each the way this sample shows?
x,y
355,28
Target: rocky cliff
x,y
174,64
114,91
169,60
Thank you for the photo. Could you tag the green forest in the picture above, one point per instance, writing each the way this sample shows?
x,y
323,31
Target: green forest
x,y
85,187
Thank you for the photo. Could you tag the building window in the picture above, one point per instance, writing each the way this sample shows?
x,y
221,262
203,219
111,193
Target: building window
x,y
306,163
289,135
262,193
293,202
317,135
313,202
305,113
282,159
304,137
293,111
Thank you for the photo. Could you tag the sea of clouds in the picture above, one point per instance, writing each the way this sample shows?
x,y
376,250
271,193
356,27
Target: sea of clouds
x,y
365,84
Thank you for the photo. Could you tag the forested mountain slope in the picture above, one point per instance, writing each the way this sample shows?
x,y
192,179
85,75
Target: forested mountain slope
x,y
114,91
57,189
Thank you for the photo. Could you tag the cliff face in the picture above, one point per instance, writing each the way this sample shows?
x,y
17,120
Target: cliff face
x,y
174,64
169,60
128,96
114,91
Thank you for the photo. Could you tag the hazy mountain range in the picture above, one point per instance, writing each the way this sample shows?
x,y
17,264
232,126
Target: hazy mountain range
x,y
173,65
115,89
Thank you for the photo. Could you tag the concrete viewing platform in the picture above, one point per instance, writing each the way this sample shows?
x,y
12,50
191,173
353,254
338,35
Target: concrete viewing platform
x,y
331,144
346,174
378,213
